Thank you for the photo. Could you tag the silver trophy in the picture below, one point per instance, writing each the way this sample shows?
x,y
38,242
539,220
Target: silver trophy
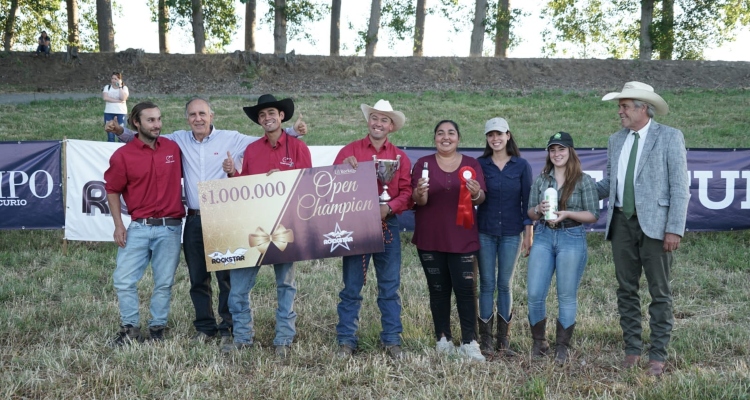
x,y
386,170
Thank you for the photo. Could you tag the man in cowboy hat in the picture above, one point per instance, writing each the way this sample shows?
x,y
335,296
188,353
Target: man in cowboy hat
x,y
276,151
648,189
203,150
381,121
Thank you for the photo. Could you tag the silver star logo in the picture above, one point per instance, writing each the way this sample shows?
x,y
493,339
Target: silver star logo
x,y
338,238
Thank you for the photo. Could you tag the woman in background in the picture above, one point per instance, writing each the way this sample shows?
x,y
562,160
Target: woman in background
x,y
115,95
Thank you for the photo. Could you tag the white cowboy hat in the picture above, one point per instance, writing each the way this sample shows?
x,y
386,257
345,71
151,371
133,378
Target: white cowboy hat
x,y
384,107
640,91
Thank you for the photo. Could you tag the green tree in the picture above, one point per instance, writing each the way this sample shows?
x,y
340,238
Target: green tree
x,y
219,20
295,15
679,29
23,21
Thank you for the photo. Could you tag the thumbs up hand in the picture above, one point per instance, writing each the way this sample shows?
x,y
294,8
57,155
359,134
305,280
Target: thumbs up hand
x,y
114,127
300,126
228,165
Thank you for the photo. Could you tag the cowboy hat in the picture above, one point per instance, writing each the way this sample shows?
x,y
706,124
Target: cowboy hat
x,y
640,91
384,107
268,101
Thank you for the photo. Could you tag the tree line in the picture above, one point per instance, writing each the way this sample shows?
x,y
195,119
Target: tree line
x,y
644,29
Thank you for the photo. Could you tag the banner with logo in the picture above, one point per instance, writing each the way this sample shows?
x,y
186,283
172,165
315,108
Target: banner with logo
x,y
289,216
87,213
31,191
719,181
719,186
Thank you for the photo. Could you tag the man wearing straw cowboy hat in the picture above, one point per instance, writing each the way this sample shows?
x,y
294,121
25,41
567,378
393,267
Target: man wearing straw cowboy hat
x,y
381,121
648,189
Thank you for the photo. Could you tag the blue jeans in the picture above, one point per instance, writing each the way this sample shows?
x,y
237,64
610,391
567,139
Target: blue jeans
x,y
388,273
243,281
161,246
120,120
497,253
562,251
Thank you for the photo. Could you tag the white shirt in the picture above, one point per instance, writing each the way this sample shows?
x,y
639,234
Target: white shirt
x,y
622,163
115,108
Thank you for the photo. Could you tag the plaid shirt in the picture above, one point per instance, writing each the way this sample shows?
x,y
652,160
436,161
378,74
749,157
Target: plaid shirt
x,y
583,198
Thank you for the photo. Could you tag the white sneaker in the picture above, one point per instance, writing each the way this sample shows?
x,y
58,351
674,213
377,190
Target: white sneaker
x,y
471,351
445,347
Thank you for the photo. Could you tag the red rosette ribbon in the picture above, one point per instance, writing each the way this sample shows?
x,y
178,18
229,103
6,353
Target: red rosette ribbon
x,y
465,212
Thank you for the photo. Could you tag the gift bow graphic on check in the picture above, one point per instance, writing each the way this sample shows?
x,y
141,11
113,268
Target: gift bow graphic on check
x,y
280,237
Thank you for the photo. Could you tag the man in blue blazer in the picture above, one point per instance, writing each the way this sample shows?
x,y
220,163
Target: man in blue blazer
x,y
648,188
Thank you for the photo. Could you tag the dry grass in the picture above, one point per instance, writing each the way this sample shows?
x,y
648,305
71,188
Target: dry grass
x,y
58,310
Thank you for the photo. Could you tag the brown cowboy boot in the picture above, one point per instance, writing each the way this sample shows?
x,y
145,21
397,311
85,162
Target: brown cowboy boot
x,y
563,342
540,347
485,334
503,336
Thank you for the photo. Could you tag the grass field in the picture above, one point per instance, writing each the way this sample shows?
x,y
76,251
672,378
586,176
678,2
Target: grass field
x,y
58,310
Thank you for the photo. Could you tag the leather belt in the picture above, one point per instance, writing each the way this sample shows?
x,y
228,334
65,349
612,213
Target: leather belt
x,y
159,221
562,225
620,209
193,212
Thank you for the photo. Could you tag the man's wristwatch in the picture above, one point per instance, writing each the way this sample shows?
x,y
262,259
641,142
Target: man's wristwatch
x,y
536,209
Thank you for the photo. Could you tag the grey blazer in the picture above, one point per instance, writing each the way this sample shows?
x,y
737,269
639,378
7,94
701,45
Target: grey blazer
x,y
662,187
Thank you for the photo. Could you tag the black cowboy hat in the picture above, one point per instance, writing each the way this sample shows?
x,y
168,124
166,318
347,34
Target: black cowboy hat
x,y
268,101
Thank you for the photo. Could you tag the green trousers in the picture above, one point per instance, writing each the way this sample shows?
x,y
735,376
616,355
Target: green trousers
x,y
635,253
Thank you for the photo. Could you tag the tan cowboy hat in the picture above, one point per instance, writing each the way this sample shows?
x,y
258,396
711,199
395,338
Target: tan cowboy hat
x,y
640,91
384,107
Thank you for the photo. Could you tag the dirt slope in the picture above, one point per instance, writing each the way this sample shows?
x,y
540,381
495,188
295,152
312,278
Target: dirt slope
x,y
253,73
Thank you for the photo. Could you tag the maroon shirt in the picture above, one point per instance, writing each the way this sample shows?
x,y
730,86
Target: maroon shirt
x,y
289,153
400,186
435,227
150,180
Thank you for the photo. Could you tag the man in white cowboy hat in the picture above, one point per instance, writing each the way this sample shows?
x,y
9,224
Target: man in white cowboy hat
x,y
276,151
648,189
203,149
381,121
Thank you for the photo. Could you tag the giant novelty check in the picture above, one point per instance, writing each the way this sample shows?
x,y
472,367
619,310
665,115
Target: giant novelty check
x,y
289,216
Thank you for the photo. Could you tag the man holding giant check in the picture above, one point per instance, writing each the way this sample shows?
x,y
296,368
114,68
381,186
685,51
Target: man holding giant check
x,y
274,152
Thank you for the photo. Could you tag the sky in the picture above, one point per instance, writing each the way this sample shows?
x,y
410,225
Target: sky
x,y
440,41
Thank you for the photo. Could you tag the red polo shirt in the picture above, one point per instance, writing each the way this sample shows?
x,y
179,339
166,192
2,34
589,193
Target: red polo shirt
x,y
148,179
400,187
289,153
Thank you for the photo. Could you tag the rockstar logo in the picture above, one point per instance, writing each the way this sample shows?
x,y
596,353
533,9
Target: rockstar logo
x,y
338,238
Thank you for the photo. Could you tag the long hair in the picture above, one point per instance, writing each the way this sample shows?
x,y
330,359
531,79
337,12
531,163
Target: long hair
x,y
573,173
511,148
135,113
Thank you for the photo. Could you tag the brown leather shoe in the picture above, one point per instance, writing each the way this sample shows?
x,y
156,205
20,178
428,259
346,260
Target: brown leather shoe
x,y
631,361
655,368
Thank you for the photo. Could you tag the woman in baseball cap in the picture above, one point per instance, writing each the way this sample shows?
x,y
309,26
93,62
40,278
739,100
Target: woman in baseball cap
x,y
562,199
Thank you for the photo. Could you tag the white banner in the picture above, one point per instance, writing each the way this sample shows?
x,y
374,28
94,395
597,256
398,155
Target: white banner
x,y
86,209
87,214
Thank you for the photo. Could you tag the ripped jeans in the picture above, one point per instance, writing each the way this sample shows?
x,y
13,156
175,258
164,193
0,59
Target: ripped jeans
x,y
446,272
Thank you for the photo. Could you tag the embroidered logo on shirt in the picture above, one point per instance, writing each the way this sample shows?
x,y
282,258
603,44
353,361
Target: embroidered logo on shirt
x,y
170,159
338,238
287,161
